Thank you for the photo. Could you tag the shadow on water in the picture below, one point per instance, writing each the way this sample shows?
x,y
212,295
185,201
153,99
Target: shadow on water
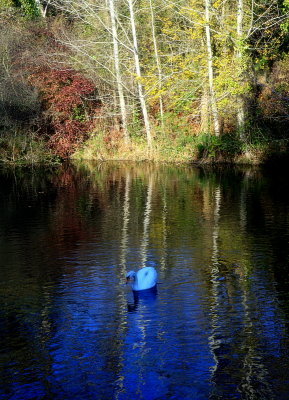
x,y
143,298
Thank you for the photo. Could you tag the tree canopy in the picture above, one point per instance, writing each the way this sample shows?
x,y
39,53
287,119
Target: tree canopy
x,y
176,68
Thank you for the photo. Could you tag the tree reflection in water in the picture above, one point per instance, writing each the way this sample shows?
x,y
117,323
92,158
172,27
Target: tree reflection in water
x,y
216,329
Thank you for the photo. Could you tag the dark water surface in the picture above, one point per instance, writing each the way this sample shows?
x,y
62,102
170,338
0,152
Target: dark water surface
x,y
217,327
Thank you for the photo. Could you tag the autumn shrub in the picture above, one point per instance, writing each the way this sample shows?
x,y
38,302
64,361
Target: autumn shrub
x,y
68,103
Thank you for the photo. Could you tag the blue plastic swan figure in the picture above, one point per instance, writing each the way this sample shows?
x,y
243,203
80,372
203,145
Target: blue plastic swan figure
x,y
143,279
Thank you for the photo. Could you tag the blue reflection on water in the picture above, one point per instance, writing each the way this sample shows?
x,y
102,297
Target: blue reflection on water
x,y
163,357
95,340
71,329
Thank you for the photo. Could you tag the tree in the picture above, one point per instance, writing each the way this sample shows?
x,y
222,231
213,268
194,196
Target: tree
x,y
139,75
210,68
117,71
240,106
43,6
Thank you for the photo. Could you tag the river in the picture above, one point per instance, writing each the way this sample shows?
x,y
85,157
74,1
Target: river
x,y
217,328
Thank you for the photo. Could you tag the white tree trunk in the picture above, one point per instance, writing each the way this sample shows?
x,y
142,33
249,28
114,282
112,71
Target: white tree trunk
x,y
204,126
138,73
42,9
122,104
210,69
240,102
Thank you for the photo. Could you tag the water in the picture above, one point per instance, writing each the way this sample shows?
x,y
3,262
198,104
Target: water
x,y
217,328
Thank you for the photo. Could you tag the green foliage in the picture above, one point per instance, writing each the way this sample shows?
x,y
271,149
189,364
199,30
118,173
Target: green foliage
x,y
257,136
4,4
268,39
212,147
135,126
29,8
285,24
78,113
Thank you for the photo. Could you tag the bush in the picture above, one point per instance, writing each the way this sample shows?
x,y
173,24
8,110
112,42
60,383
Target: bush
x,y
226,146
22,147
68,105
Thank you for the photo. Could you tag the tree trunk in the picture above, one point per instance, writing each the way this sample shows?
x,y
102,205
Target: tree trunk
x,y
240,101
204,126
42,9
210,69
138,73
121,99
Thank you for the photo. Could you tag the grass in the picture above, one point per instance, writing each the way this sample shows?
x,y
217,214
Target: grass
x,y
164,149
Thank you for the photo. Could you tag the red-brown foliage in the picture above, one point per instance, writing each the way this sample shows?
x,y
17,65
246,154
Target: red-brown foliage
x,y
112,139
69,104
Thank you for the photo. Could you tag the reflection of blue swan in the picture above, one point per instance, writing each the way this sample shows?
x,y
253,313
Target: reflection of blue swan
x,y
145,298
143,279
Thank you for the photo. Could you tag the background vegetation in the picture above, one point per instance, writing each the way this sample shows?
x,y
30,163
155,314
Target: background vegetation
x,y
176,80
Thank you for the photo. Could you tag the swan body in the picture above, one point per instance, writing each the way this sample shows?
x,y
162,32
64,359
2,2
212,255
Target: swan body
x,y
143,279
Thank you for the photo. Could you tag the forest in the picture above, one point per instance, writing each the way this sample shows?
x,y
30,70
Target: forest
x,y
161,80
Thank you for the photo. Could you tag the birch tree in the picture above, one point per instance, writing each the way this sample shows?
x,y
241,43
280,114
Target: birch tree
x,y
118,72
240,106
210,69
43,6
192,58
139,75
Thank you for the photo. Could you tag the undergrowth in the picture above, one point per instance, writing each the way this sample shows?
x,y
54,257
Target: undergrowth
x,y
166,148
20,147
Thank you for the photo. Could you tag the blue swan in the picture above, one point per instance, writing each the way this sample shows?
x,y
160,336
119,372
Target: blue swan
x,y
143,279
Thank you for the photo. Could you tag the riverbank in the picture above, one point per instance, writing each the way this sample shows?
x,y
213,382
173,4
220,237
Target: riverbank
x,y
185,149
19,148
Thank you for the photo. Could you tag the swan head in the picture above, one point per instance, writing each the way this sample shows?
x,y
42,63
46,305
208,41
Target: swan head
x,y
130,276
